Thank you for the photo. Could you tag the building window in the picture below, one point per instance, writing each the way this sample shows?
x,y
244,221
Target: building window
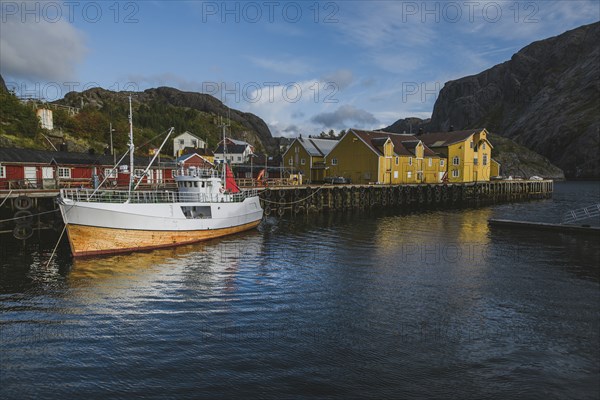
x,y
409,160
194,143
455,160
455,173
409,174
483,145
296,149
2,171
110,173
64,172
430,162
397,160
475,161
138,172
334,161
395,174
485,159
471,144
239,158
302,161
181,142
442,162
291,162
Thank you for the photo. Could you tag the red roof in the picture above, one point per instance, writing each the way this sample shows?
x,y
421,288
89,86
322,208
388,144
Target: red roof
x,y
404,144
443,139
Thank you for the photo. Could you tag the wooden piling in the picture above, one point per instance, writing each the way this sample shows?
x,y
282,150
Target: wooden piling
x,y
306,199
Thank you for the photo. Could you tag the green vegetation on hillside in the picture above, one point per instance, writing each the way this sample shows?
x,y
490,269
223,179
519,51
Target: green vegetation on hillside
x,y
17,119
151,122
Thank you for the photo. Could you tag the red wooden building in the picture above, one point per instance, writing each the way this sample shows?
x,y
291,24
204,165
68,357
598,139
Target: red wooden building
x,y
39,169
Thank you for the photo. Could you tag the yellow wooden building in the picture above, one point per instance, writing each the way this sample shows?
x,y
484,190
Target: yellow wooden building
x,y
495,169
307,156
468,153
384,158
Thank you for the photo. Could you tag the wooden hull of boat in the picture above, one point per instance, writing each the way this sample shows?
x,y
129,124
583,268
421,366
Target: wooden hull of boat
x,y
92,241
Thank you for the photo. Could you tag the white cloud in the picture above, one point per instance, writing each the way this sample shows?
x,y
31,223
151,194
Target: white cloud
x,y
40,50
344,115
288,66
342,78
383,24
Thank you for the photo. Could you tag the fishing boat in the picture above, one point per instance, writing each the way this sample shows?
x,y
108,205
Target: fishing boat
x,y
206,204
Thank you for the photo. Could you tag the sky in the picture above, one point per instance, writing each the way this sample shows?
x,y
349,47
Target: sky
x,y
302,66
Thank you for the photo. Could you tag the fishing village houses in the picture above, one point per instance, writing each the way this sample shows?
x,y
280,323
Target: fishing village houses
x,y
377,157
359,157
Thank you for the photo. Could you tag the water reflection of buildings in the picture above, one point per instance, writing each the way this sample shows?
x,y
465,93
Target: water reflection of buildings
x,y
435,237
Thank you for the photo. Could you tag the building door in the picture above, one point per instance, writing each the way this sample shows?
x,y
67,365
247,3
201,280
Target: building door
x,y
47,173
48,178
387,178
30,176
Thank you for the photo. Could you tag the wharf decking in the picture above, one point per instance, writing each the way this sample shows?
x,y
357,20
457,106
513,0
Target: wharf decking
x,y
304,199
25,210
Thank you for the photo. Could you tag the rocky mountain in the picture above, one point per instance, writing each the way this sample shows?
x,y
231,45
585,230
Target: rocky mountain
x,y
157,109
547,98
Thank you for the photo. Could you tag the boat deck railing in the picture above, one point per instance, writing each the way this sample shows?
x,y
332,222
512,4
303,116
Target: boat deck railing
x,y
581,214
197,172
148,197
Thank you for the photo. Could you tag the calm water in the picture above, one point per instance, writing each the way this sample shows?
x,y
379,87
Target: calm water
x,y
362,305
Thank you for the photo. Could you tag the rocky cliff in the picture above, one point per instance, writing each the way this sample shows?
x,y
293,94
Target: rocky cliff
x,y
547,97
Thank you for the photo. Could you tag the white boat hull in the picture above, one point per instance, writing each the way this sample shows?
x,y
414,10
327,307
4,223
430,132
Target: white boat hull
x,y
103,228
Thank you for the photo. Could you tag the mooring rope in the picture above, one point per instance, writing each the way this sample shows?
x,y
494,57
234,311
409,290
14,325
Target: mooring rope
x,y
6,198
56,246
293,202
28,216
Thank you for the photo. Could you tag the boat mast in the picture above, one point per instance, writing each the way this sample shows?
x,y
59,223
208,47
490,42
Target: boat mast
x,y
131,148
224,125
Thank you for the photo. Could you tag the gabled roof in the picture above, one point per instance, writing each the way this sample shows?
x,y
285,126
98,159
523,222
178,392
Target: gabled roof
x,y
186,157
200,151
232,149
14,155
317,147
443,139
189,133
404,144
235,142
238,142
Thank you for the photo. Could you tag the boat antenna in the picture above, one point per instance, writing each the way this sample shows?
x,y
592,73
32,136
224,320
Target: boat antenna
x,y
131,149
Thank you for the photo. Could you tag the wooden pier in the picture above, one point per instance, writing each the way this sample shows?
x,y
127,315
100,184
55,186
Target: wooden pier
x,y
23,211
304,199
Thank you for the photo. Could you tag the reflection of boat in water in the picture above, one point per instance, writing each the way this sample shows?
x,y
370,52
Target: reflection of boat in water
x,y
206,205
209,266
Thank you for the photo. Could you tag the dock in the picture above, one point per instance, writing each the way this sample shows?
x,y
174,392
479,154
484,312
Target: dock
x,y
317,198
25,210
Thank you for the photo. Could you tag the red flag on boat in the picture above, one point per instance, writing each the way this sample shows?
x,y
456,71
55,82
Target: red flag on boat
x,y
230,181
